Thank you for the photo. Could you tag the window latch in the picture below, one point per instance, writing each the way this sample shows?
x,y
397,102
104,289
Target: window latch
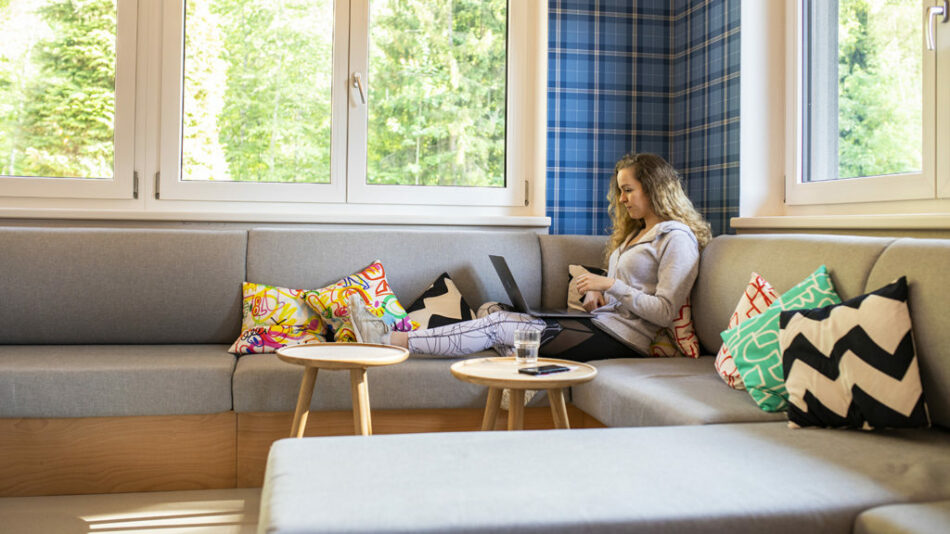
x,y
358,83
932,13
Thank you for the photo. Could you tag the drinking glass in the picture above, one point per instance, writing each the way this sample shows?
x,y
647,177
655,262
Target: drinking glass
x,y
527,343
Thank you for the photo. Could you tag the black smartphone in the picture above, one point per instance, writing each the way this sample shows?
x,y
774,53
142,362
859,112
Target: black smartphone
x,y
543,369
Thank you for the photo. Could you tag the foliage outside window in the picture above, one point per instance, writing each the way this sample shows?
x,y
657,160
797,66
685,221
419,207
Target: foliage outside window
x,y
437,92
257,91
869,98
57,88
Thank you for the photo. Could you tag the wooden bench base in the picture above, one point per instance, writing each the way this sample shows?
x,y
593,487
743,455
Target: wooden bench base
x,y
164,453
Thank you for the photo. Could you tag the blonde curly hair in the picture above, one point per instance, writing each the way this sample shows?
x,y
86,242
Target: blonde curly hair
x,y
661,183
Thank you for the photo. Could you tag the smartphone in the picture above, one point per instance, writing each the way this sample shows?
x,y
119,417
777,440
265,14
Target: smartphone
x,y
543,370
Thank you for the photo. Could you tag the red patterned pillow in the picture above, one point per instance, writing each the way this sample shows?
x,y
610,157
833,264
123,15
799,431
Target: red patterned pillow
x,y
683,333
758,295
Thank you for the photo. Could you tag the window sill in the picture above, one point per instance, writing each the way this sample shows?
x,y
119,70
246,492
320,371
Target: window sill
x,y
914,221
379,218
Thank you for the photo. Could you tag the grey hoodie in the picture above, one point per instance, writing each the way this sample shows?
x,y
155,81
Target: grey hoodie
x,y
652,279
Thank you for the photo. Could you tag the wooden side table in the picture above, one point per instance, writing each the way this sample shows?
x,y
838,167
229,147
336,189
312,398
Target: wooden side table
x,y
357,357
502,373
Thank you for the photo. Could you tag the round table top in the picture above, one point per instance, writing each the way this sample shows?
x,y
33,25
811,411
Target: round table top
x,y
503,373
342,355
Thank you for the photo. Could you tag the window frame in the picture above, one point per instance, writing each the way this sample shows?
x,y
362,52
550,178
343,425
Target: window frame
x,y
349,126
122,183
912,186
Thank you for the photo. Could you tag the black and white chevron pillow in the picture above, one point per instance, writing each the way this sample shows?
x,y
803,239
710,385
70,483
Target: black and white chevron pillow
x,y
440,305
853,364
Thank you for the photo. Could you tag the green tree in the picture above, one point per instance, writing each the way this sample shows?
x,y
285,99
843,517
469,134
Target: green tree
x,y
437,98
274,120
879,88
70,106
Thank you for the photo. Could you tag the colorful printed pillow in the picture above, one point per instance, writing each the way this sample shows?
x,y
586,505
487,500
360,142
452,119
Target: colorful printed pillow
x,y
679,338
754,344
758,296
371,284
440,304
853,364
276,317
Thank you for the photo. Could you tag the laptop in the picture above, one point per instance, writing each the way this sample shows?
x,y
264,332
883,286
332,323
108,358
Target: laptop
x,y
517,298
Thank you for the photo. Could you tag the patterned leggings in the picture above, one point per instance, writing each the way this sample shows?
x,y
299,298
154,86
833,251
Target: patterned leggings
x,y
575,339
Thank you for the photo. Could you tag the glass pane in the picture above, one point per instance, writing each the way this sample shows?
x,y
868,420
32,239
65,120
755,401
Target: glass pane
x,y
257,90
57,88
866,107
437,92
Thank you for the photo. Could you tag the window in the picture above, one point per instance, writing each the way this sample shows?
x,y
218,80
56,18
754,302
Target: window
x,y
863,104
294,110
388,101
66,98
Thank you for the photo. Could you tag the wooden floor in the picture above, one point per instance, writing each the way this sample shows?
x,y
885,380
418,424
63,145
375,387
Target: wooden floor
x,y
227,511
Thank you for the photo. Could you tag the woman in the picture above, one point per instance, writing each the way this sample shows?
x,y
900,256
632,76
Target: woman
x,y
653,260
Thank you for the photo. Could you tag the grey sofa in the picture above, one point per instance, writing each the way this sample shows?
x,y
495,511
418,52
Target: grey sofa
x,y
115,376
665,467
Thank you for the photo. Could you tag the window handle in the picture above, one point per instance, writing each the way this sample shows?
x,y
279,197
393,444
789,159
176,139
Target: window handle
x,y
932,13
358,83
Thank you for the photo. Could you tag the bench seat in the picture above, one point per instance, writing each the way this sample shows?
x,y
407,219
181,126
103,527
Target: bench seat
x,y
760,477
661,392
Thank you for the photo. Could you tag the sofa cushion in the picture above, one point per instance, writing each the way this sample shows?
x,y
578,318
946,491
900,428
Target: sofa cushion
x,y
659,392
441,304
853,364
373,289
276,317
924,262
312,258
264,383
917,518
783,260
558,252
754,342
758,296
672,479
118,285
114,380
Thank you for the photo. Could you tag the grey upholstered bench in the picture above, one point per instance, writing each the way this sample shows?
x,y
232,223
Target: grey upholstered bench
x,y
755,477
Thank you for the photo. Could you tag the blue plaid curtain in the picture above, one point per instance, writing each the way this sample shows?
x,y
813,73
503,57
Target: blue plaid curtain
x,y
646,76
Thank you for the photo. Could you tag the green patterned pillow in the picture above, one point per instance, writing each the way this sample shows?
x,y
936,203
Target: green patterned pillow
x,y
754,342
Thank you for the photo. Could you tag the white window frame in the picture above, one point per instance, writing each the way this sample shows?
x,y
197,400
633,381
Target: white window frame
x,y
349,124
173,188
911,186
122,184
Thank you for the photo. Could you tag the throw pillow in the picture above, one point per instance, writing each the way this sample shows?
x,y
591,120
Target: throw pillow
x,y
679,338
440,304
754,344
853,364
276,317
574,297
372,286
758,296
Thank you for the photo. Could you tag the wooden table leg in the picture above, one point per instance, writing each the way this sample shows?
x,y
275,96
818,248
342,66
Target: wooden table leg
x,y
491,408
362,419
303,402
558,408
516,409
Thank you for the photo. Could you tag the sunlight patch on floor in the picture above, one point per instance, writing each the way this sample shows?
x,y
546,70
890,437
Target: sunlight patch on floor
x,y
232,511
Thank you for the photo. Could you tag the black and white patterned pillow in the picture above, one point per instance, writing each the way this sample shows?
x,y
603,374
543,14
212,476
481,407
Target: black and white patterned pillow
x,y
440,305
853,364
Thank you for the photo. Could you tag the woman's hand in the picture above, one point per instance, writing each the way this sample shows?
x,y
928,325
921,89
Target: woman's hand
x,y
593,282
593,300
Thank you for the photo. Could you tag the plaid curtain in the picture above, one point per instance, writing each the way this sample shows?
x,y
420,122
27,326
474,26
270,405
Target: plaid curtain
x,y
655,76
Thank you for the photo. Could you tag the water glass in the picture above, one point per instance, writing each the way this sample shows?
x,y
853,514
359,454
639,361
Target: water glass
x,y
527,343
